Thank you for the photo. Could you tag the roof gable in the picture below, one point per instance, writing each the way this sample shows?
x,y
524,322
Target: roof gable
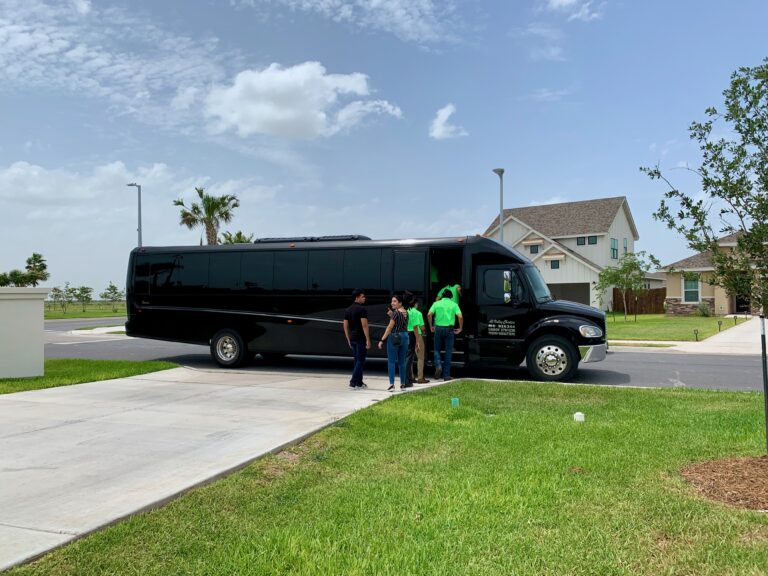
x,y
582,218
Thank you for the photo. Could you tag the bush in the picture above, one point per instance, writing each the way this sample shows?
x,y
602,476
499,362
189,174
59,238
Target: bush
x,y
704,309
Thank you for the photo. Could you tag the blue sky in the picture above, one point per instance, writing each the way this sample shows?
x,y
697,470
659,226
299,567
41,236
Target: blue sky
x,y
344,116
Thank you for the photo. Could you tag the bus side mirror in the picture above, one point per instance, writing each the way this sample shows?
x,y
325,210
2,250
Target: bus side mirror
x,y
507,283
507,297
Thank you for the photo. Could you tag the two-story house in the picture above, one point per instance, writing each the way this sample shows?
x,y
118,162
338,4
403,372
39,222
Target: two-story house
x,y
571,242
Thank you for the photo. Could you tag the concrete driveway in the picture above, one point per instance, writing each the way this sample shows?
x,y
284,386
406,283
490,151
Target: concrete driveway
x,y
76,458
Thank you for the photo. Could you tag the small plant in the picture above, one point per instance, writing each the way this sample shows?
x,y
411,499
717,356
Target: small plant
x,y
704,310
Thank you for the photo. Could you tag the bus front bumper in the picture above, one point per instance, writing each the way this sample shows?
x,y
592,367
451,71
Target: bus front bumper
x,y
594,353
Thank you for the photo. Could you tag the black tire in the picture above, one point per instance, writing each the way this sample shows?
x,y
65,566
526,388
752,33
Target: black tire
x,y
552,358
228,349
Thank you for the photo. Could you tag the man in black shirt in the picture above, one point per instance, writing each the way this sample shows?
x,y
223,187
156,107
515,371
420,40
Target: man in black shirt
x,y
358,337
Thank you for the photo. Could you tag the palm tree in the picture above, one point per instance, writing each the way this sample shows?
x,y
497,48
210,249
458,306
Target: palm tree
x,y
37,269
210,213
238,237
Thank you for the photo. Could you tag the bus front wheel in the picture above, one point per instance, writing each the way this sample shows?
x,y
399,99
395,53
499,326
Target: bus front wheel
x,y
228,348
552,358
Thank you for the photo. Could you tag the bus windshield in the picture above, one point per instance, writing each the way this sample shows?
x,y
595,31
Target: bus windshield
x,y
540,289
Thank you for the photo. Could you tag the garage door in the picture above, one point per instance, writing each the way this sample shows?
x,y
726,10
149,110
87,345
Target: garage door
x,y
573,292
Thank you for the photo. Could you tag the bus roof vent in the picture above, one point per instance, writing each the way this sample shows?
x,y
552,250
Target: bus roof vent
x,y
343,238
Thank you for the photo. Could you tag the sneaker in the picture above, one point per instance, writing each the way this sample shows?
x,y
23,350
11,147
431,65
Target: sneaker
x,y
422,381
447,378
438,372
391,388
352,385
362,385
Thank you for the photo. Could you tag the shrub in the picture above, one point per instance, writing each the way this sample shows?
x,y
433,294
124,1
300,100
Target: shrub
x,y
704,309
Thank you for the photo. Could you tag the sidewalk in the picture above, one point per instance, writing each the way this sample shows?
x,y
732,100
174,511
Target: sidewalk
x,y
743,339
77,458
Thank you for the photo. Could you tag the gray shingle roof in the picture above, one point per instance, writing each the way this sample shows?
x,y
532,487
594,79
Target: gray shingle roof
x,y
700,260
569,218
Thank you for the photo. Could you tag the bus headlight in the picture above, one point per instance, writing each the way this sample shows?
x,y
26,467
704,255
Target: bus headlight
x,y
590,331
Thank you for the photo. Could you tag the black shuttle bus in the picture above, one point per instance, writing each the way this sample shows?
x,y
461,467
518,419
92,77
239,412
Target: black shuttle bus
x,y
287,296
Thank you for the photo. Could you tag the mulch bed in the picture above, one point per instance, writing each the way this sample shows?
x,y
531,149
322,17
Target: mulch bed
x,y
741,482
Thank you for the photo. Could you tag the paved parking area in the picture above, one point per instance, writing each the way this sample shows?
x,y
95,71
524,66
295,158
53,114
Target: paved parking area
x,y
76,458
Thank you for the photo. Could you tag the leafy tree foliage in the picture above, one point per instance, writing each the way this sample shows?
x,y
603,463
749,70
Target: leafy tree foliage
x,y
734,185
113,295
238,237
84,295
208,214
37,269
628,274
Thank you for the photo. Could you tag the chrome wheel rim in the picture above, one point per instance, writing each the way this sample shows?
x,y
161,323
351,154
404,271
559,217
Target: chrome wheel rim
x,y
552,360
226,348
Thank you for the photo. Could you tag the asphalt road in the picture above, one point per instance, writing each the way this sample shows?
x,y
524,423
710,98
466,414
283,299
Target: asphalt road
x,y
622,367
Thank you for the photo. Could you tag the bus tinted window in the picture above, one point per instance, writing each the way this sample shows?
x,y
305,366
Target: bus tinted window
x,y
165,273
141,274
362,269
194,272
291,271
257,271
225,271
409,271
326,270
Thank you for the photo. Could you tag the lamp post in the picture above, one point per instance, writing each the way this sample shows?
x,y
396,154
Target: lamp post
x,y
138,186
500,173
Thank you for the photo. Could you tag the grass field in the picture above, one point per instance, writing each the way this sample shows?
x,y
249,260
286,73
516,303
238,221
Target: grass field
x,y
661,327
93,310
63,372
505,484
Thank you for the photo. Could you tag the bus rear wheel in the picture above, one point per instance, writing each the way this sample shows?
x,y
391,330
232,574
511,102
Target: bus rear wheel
x,y
552,358
228,348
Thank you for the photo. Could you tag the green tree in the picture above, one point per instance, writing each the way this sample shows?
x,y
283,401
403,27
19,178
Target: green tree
x,y
18,278
84,295
113,295
208,214
4,279
238,237
37,269
733,200
628,274
56,295
68,295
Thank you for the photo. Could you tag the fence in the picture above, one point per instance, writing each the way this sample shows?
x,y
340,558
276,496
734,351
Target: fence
x,y
648,302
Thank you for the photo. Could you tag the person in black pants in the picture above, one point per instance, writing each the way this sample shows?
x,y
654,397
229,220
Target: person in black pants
x,y
358,336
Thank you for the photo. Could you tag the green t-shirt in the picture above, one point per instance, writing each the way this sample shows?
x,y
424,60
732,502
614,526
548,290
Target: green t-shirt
x,y
454,290
445,312
415,318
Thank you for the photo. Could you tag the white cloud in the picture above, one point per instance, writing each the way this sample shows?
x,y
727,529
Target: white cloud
x,y
548,95
82,7
585,11
544,42
551,200
427,21
296,102
441,128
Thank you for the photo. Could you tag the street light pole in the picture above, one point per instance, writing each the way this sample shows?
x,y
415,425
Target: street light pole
x,y
138,186
500,173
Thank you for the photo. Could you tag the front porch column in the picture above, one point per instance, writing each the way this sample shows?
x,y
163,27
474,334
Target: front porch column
x,y
21,332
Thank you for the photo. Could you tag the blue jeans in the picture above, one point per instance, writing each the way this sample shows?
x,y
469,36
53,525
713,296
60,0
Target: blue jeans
x,y
358,353
444,337
396,355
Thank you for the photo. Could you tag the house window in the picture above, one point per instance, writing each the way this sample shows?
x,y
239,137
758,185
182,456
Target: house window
x,y
614,248
554,264
581,240
625,245
591,240
691,290
534,248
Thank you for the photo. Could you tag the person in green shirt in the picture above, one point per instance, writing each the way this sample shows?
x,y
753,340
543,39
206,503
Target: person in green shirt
x,y
455,290
416,326
442,317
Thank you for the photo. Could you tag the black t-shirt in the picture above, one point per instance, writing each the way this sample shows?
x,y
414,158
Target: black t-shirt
x,y
353,315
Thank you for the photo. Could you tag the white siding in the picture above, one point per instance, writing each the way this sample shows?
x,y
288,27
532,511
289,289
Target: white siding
x,y
596,253
571,271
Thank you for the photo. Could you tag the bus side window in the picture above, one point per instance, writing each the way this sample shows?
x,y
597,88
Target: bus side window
x,y
141,274
194,273
326,270
165,273
224,273
257,272
291,271
362,269
410,270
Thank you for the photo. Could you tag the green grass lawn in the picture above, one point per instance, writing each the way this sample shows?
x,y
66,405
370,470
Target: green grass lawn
x,y
93,310
505,484
63,372
661,327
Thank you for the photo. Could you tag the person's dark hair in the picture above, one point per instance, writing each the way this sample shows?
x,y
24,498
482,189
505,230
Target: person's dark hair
x,y
408,299
357,292
414,302
446,294
399,298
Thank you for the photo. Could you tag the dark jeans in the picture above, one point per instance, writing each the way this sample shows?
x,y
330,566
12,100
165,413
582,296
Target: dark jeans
x,y
358,353
409,357
396,357
444,337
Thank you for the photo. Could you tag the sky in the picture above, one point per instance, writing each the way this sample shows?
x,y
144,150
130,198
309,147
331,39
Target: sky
x,y
382,118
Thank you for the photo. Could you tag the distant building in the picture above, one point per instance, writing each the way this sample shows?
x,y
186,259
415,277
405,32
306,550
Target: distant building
x,y
571,242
